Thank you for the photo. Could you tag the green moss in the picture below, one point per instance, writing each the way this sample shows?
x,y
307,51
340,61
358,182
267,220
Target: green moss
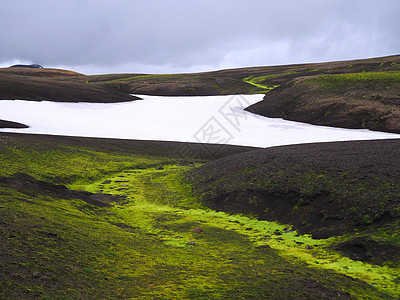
x,y
141,77
191,89
67,164
340,82
257,82
328,112
173,224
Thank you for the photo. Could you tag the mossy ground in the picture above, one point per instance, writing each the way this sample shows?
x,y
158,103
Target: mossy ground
x,y
361,80
54,248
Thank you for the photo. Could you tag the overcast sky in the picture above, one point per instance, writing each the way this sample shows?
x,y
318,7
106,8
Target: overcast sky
x,y
168,36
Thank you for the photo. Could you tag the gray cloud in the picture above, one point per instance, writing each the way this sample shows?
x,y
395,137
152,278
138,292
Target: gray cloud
x,y
99,36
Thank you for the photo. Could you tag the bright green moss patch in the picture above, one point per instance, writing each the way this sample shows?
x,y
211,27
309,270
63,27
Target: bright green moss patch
x,y
141,77
82,255
68,164
340,82
165,208
258,82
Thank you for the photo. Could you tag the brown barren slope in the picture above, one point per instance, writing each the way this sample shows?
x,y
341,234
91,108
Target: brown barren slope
x,y
324,189
52,85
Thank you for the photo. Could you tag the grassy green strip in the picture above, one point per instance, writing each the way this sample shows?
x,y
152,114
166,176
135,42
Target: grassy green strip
x,y
150,76
256,81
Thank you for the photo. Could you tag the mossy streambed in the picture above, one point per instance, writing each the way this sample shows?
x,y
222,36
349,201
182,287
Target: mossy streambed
x,y
159,203
137,246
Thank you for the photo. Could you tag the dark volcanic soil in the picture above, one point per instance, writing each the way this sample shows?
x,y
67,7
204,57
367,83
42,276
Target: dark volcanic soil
x,y
9,124
179,150
373,107
31,186
324,189
369,250
361,94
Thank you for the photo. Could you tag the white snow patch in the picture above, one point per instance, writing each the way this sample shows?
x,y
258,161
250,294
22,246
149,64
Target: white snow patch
x,y
213,119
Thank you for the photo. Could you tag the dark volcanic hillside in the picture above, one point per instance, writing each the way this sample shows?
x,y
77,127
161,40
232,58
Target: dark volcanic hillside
x,y
325,189
368,100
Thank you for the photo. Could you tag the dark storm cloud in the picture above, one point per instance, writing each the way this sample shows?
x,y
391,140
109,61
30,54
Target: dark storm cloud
x,y
182,35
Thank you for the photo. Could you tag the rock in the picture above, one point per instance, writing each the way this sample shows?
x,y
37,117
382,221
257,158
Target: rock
x,y
263,247
249,228
192,243
160,168
123,185
36,274
197,230
279,239
308,247
106,182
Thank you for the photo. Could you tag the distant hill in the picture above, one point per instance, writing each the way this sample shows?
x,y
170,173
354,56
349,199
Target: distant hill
x,y
39,84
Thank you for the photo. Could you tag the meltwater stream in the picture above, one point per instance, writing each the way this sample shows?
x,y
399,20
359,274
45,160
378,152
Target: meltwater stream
x,y
211,119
